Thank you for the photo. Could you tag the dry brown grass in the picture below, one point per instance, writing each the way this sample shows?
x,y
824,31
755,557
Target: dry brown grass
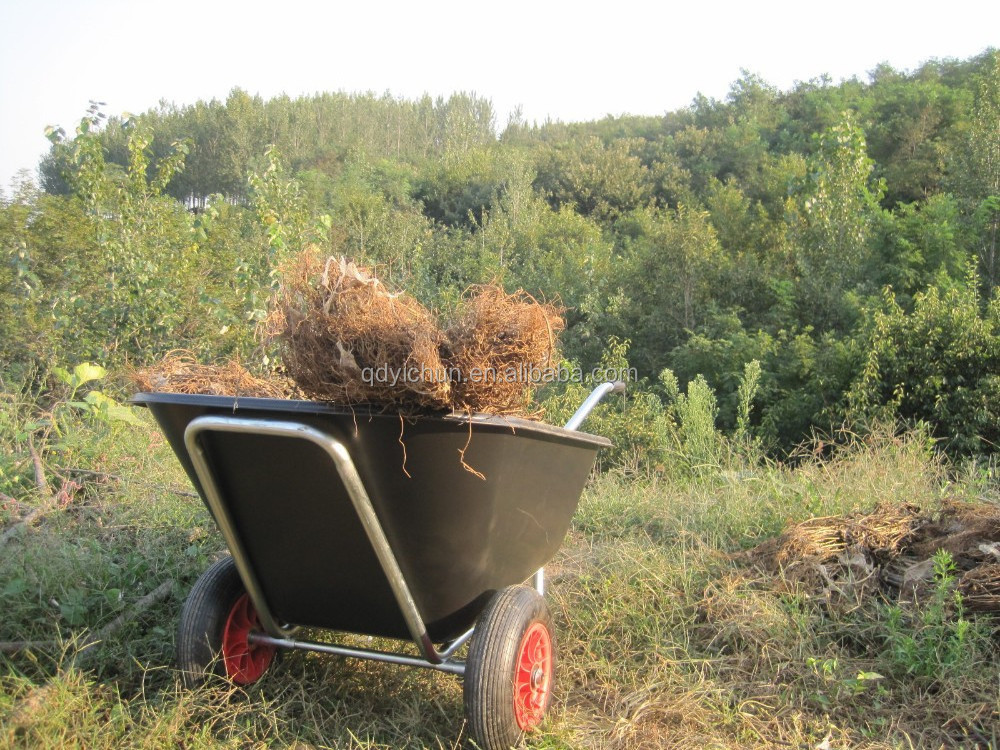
x,y
179,372
334,321
496,345
345,337
662,641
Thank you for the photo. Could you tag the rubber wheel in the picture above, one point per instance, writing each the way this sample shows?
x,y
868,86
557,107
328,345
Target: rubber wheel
x,y
510,669
212,634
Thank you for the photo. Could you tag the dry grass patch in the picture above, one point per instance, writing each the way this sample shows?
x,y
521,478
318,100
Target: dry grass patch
x,y
179,372
497,349
336,324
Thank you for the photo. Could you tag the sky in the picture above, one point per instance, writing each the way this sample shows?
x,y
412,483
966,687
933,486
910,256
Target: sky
x,y
569,61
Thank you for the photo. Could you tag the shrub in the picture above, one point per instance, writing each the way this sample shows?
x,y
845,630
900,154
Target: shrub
x,y
937,365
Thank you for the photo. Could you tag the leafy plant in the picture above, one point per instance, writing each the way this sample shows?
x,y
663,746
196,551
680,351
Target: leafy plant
x,y
937,364
95,403
836,687
934,640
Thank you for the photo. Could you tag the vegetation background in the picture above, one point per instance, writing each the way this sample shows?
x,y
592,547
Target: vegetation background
x,y
809,267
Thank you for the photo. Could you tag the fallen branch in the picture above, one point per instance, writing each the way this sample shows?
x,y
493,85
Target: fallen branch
x,y
138,607
100,475
141,605
43,488
48,501
40,481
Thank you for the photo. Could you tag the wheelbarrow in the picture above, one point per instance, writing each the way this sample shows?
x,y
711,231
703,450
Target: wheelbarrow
x,y
356,521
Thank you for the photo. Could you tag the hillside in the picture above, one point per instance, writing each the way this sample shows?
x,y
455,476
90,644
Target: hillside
x,y
826,232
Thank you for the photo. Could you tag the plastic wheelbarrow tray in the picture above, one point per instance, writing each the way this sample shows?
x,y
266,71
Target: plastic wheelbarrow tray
x,y
357,521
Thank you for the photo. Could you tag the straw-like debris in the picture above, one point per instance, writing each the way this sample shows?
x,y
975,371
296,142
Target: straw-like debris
x,y
499,350
344,337
817,540
884,532
890,549
179,372
980,588
961,529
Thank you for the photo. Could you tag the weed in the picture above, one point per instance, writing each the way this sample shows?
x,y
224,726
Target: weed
x,y
934,641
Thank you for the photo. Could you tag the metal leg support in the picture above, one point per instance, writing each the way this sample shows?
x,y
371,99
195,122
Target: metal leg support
x,y
538,580
341,458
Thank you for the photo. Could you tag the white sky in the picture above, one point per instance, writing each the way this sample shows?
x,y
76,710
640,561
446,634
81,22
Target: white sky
x,y
565,60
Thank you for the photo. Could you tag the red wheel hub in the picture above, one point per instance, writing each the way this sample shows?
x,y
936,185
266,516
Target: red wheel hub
x,y
245,661
533,679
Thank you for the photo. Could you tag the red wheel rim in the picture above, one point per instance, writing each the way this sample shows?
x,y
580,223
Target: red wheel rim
x,y
245,662
533,680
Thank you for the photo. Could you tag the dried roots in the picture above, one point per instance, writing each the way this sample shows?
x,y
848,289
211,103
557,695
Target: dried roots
x,y
179,372
344,337
499,349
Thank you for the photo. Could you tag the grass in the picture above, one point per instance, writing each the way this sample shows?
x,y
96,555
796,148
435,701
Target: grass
x,y
665,639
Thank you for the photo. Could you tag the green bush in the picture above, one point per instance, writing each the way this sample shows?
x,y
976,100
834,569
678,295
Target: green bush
x,y
939,364
935,641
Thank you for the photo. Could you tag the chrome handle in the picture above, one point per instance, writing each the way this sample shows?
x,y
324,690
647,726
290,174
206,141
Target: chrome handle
x,y
618,386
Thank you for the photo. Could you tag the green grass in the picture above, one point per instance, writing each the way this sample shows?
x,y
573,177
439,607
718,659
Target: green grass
x,y
664,640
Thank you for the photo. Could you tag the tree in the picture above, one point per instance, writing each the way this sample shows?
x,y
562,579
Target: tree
x,y
911,117
938,364
919,245
831,220
598,180
145,239
975,173
671,260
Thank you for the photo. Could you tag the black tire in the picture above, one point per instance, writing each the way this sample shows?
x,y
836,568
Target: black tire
x,y
515,624
203,621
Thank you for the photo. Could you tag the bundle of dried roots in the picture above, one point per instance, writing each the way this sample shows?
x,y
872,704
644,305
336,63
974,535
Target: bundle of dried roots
x,y
886,531
179,372
344,337
499,349
980,588
896,541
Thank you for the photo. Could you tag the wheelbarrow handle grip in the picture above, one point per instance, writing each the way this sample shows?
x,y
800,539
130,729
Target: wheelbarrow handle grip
x,y
593,400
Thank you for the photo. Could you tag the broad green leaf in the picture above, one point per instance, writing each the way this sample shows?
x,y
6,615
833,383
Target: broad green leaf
x,y
97,399
107,408
86,372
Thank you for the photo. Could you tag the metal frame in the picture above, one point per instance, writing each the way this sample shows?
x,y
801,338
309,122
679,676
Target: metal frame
x,y
341,459
445,665
617,386
591,401
278,634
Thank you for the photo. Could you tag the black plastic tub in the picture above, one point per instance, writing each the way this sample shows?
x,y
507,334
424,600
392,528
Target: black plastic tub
x,y
457,537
